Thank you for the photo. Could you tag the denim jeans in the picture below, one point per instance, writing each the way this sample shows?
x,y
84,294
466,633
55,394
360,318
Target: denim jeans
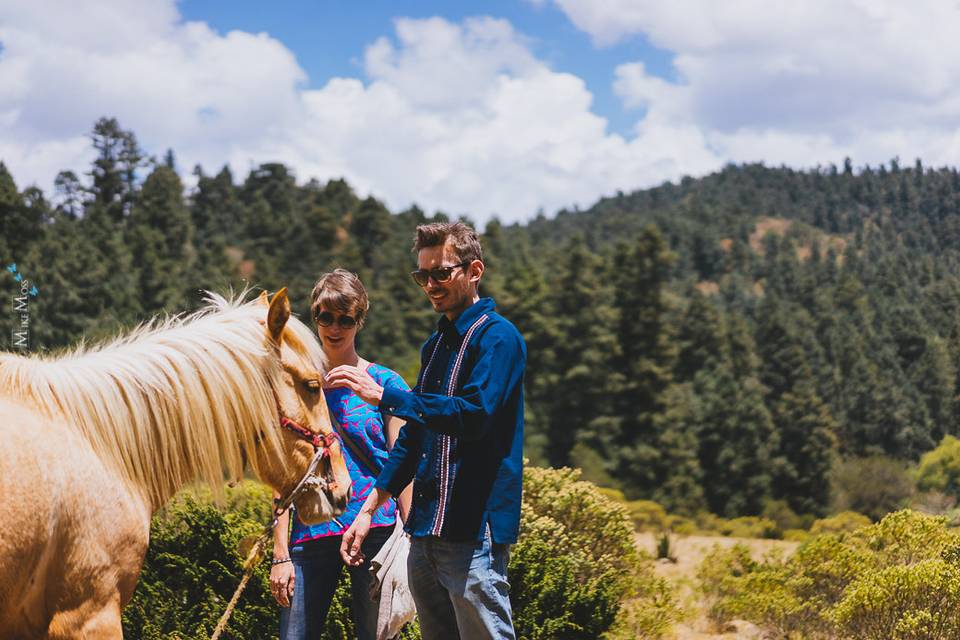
x,y
460,588
317,565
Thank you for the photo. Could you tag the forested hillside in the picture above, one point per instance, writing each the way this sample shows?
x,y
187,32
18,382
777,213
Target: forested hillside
x,y
715,344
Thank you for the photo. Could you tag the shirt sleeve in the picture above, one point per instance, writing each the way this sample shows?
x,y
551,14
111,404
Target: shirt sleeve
x,y
495,376
401,465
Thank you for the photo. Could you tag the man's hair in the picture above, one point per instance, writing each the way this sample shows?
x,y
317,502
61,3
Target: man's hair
x,y
464,239
341,291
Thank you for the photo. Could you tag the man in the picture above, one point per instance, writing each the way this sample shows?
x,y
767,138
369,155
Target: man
x,y
462,442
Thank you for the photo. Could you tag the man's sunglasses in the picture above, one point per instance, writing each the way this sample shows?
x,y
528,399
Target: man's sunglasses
x,y
325,319
439,274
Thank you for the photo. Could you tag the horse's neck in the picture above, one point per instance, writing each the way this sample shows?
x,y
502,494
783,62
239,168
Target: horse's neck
x,y
173,423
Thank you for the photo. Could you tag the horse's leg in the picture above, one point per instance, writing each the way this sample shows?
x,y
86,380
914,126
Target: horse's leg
x,y
91,621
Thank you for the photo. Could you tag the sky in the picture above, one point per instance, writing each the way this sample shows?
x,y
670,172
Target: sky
x,y
500,108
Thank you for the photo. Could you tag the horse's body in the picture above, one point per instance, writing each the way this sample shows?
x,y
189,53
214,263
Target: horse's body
x,y
72,536
94,442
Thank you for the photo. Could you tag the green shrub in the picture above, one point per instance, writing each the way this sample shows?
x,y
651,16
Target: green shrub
x,y
898,578
843,522
796,535
571,573
784,517
193,567
647,515
939,469
579,592
750,527
872,486
903,602
682,526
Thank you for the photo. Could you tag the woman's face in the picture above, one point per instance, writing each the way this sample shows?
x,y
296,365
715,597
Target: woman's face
x,y
337,330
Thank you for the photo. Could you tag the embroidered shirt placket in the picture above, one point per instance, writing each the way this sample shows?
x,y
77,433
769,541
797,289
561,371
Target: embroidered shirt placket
x,y
447,443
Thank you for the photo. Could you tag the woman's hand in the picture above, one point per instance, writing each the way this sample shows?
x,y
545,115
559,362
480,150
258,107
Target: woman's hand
x,y
282,582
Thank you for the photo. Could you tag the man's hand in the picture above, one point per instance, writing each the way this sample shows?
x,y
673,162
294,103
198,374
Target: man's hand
x,y
353,539
282,580
357,381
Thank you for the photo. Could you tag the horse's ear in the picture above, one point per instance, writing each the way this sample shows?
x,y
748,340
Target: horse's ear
x,y
263,299
278,314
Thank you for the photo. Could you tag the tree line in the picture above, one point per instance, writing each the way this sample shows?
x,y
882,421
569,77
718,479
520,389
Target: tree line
x,y
713,344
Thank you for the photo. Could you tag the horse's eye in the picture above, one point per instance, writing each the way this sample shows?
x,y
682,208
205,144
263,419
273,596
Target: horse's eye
x,y
313,386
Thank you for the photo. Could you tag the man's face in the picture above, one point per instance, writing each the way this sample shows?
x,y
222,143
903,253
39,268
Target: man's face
x,y
453,296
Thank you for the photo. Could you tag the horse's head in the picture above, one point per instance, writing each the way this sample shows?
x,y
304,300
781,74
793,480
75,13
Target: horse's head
x,y
302,406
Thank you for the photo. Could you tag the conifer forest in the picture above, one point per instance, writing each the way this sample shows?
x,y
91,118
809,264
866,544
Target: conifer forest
x,y
718,344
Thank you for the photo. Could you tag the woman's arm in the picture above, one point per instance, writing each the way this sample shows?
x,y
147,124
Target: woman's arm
x,y
403,500
282,576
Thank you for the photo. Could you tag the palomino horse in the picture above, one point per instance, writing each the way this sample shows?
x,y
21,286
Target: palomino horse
x,y
95,441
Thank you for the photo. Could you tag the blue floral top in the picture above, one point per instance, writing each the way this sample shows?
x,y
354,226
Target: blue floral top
x,y
364,425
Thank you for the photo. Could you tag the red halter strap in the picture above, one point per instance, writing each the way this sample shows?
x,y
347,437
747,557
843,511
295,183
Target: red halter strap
x,y
316,439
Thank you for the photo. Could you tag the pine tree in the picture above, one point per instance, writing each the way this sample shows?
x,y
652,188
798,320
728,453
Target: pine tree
x,y
579,383
160,234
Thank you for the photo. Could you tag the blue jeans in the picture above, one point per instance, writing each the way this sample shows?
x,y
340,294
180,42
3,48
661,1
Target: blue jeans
x,y
460,588
317,565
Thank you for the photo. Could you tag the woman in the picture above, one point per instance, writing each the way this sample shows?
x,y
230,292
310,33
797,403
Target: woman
x,y
306,569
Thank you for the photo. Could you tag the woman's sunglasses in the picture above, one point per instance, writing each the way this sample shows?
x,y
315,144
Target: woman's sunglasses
x,y
325,319
439,274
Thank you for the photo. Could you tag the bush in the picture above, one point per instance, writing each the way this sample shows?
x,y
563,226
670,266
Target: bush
x,y
844,522
903,602
750,527
872,486
647,515
784,517
939,469
899,578
796,535
193,567
579,592
574,573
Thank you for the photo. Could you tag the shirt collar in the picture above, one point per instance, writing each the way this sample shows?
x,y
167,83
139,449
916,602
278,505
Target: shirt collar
x,y
469,315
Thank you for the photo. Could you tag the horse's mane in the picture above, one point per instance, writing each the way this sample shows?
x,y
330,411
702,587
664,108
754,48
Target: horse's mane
x,y
173,400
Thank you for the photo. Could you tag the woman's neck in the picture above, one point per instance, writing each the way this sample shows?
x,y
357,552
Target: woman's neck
x,y
348,357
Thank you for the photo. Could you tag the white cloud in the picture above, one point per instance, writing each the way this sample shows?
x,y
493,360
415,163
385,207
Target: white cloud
x,y
463,117
458,117
175,84
801,83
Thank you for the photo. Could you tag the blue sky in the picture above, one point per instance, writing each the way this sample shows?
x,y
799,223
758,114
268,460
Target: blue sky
x,y
501,108
329,38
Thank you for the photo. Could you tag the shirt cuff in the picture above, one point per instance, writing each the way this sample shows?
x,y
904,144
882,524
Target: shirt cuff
x,y
399,403
387,481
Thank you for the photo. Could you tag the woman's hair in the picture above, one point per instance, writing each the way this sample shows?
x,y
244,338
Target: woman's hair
x,y
341,291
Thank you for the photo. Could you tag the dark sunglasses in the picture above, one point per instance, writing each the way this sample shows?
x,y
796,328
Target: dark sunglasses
x,y
439,274
325,319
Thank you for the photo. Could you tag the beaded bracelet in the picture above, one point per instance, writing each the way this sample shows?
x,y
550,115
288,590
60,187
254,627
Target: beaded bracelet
x,y
280,561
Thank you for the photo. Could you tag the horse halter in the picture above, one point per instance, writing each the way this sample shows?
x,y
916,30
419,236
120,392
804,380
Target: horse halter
x,y
321,445
318,440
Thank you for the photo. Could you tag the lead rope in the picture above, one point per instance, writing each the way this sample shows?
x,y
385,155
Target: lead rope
x,y
253,558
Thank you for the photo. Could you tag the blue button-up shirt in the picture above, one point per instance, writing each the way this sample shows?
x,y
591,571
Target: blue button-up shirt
x,y
463,441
